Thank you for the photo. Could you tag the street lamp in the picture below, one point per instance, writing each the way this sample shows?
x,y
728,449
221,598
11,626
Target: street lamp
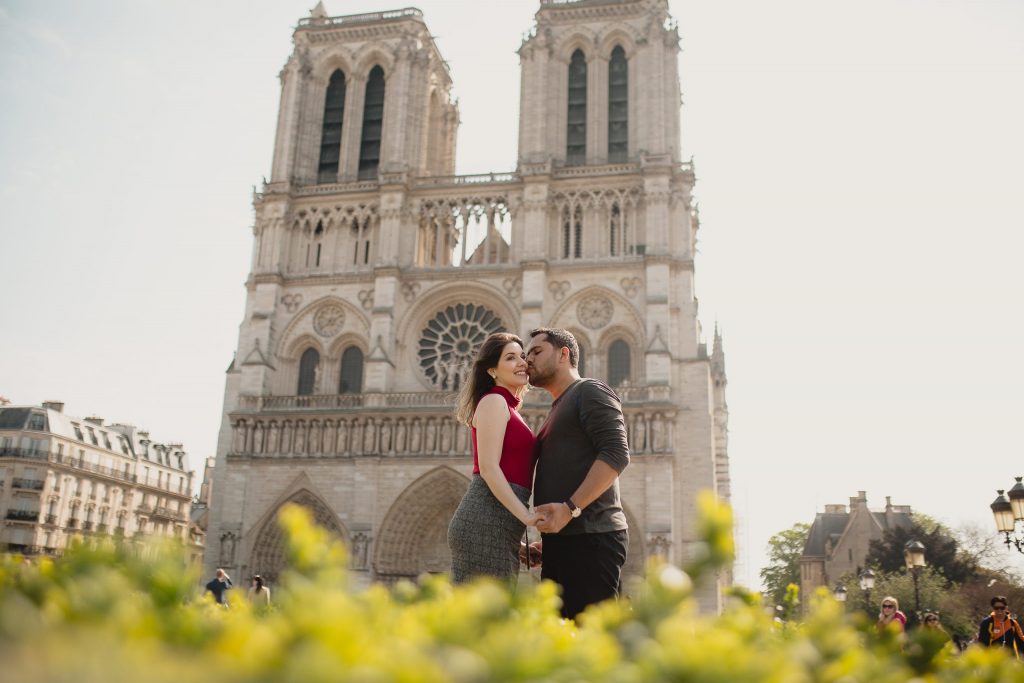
x,y
867,582
913,555
1008,509
840,592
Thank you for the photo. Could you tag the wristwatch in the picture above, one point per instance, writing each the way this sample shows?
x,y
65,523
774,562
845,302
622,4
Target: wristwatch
x,y
573,510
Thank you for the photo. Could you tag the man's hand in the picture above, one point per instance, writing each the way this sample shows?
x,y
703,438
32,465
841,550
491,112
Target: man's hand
x,y
556,516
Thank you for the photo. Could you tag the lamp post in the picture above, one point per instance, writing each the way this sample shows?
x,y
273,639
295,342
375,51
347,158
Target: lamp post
x,y
839,592
1008,509
913,555
867,582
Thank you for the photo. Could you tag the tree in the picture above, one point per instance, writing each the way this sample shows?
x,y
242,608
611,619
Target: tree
x,y
941,550
784,551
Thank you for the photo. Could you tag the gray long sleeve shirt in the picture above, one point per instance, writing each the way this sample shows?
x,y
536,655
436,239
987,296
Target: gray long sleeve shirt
x,y
585,424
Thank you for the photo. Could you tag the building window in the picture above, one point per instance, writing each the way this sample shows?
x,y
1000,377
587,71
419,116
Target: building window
x,y
106,441
351,371
572,233
618,363
618,106
576,131
361,241
308,370
581,364
330,136
373,125
92,436
78,432
617,231
318,236
37,422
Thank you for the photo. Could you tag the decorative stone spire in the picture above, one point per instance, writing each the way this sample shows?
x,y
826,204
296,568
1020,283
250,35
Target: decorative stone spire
x,y
318,12
718,354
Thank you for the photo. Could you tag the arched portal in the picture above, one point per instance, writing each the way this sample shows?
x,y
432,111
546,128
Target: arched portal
x,y
414,536
269,557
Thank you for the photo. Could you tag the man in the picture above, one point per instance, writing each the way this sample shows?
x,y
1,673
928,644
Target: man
x,y
582,451
1000,630
219,586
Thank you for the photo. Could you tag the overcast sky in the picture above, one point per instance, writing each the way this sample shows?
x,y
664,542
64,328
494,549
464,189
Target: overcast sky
x,y
860,170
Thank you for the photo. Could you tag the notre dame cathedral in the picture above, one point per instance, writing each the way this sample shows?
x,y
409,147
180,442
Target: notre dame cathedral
x,y
376,272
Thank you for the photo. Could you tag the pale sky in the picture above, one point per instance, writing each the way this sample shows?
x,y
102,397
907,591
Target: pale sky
x,y
860,168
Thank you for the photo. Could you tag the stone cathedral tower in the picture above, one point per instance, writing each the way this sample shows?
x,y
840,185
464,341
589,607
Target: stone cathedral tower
x,y
376,272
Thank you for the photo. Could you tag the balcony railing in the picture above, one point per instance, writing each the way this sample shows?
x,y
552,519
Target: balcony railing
x,y
23,515
80,464
86,526
102,528
119,531
27,454
28,484
50,519
72,523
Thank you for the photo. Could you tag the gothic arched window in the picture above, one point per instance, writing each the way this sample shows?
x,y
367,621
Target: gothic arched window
x,y
618,105
373,124
351,371
581,364
307,371
572,233
618,363
615,231
330,135
576,131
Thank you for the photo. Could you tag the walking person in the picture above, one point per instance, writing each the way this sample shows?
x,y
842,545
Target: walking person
x,y
485,531
259,594
891,618
999,629
219,586
581,450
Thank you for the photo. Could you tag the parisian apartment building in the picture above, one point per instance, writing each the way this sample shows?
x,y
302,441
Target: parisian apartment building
x,y
64,478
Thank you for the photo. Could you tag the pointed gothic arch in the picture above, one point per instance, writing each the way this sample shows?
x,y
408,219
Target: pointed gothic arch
x,y
413,538
269,554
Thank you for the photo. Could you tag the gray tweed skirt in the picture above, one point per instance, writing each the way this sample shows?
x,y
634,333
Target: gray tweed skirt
x,y
484,536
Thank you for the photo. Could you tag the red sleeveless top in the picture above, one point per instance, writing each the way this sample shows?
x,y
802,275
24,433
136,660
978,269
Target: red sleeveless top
x,y
517,453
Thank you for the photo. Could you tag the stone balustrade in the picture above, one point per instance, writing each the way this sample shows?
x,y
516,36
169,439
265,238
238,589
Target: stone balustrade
x,y
363,433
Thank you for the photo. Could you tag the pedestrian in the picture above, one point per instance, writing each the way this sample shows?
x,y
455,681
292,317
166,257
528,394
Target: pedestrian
x,y
259,594
999,629
891,618
485,530
219,586
581,450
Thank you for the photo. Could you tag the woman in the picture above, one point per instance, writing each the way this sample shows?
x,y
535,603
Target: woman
x,y
259,594
891,618
485,530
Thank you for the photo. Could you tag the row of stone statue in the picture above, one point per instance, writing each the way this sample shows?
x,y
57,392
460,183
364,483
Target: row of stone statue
x,y
648,432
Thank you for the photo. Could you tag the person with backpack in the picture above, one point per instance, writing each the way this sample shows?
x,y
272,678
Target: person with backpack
x,y
999,629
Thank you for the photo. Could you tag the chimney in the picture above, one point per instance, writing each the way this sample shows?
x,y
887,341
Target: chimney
x,y
861,500
98,421
57,406
888,503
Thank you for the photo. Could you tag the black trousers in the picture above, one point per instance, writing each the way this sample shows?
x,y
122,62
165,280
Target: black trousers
x,y
588,567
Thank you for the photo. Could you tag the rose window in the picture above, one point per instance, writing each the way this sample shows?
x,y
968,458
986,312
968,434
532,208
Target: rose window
x,y
449,342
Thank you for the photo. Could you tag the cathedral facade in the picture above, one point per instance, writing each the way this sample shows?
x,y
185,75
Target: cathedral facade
x,y
376,272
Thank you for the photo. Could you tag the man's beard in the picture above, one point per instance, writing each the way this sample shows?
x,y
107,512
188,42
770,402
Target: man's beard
x,y
539,378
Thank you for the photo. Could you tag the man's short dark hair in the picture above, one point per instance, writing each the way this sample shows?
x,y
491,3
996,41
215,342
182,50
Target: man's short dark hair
x,y
561,339
998,598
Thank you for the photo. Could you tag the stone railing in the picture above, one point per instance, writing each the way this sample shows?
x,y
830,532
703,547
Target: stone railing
x,y
595,170
474,179
428,399
28,484
649,430
365,18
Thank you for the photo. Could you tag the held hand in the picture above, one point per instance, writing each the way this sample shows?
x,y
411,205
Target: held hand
x,y
556,516
534,518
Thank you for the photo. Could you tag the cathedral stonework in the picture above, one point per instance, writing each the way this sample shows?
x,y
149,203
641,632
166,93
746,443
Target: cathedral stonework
x,y
376,272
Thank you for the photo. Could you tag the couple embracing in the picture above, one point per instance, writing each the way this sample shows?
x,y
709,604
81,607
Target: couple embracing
x,y
571,466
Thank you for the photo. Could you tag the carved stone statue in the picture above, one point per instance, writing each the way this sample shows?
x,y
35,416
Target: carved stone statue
x,y
227,549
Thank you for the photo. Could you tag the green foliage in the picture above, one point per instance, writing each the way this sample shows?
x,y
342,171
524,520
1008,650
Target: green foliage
x,y
784,550
106,615
941,550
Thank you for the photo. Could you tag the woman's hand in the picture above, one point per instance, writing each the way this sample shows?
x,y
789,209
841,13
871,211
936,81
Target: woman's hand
x,y
534,518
